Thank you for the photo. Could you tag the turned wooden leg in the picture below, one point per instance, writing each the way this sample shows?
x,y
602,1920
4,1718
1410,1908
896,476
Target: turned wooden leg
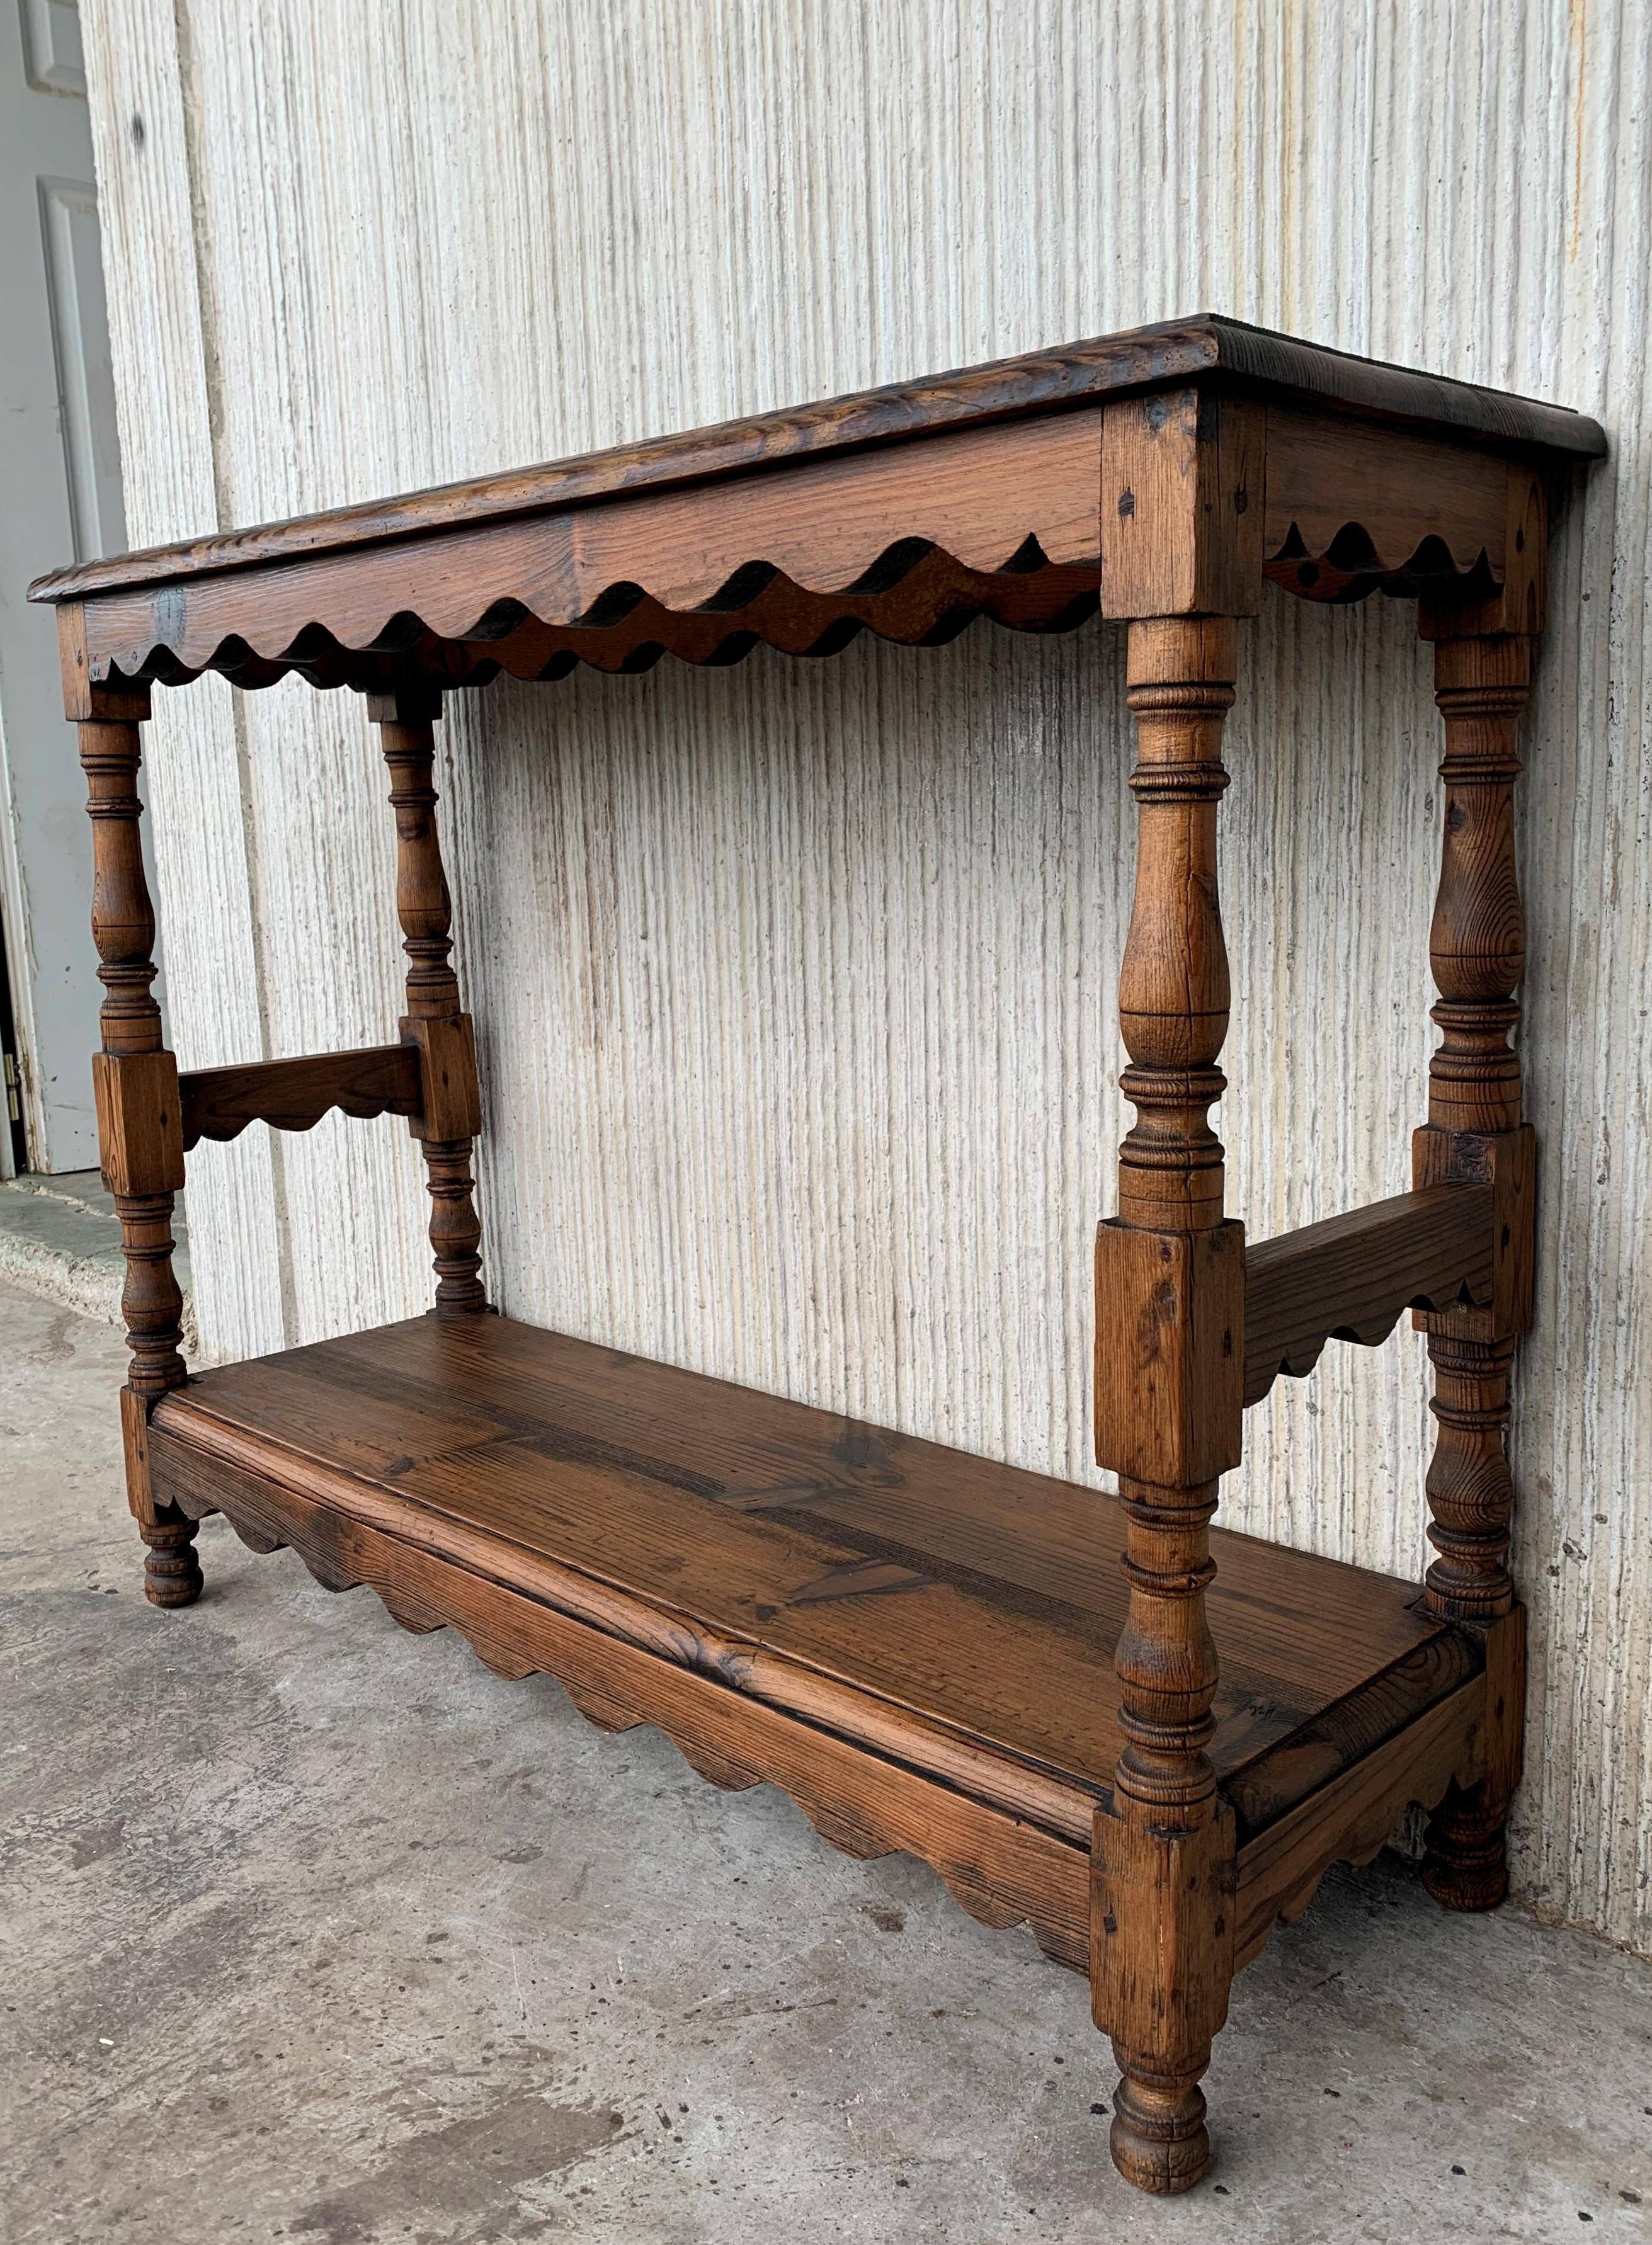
x,y
171,1573
139,1134
451,1112
1169,1358
1477,951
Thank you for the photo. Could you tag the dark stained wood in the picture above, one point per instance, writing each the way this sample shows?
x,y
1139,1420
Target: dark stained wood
x,y
1148,1763
705,1520
1165,471
1169,1404
1182,478
1163,1910
1355,507
140,1139
449,1115
1350,1821
865,1797
1141,358
1477,951
1517,603
1353,1277
993,502
293,1094
1303,1767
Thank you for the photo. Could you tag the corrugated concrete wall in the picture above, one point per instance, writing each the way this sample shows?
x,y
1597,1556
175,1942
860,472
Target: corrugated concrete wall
x,y
794,983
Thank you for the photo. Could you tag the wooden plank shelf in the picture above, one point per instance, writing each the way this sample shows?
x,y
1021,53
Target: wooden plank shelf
x,y
746,1536
1146,1738
938,1615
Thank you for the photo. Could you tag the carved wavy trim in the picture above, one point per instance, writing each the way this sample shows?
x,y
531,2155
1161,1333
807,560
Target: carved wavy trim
x,y
1348,1821
998,503
1003,1870
1348,568
1353,1277
911,595
293,1094
929,596
1353,509
1300,1361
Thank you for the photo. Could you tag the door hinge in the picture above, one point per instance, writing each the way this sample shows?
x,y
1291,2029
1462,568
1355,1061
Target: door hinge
x,y
14,1108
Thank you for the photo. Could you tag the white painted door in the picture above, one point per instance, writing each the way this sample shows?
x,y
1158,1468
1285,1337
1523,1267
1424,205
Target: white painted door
x,y
59,500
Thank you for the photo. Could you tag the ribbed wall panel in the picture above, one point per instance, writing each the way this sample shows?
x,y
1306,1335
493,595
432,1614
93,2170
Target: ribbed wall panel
x,y
794,983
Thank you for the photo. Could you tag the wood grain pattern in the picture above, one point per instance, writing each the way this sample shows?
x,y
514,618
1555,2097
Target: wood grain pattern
x,y
1003,1869
1281,1867
677,1501
135,1079
795,531
1169,1360
449,1114
1162,1918
1007,1831
1351,509
1182,478
993,504
425,1421
1353,1276
963,1670
337,624
1141,358
293,1094
1477,951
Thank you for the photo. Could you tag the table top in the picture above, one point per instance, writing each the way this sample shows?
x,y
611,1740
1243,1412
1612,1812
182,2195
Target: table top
x,y
1168,470
1137,358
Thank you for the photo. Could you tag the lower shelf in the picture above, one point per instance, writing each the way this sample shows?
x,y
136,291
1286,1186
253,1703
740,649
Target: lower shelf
x,y
915,1643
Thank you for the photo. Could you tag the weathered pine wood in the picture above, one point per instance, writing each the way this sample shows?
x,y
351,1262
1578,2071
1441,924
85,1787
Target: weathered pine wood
x,y
1182,478
1139,359
1169,1357
449,1115
772,1543
1352,1277
928,1651
293,1094
1351,1818
996,506
139,1133
1477,951
1164,472
865,1798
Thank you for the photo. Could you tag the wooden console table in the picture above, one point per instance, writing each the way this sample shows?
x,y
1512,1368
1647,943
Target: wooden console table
x,y
927,1651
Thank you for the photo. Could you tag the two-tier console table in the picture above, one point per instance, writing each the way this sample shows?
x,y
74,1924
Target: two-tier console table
x,y
1149,1761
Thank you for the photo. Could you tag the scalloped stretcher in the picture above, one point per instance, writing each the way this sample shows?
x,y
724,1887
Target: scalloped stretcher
x,y
1149,1766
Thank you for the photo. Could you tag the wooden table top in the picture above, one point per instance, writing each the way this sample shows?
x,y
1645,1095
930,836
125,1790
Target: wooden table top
x,y
1029,490
1138,358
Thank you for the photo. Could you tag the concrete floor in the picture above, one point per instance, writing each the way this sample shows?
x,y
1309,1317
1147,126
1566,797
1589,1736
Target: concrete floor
x,y
316,1930
60,1239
